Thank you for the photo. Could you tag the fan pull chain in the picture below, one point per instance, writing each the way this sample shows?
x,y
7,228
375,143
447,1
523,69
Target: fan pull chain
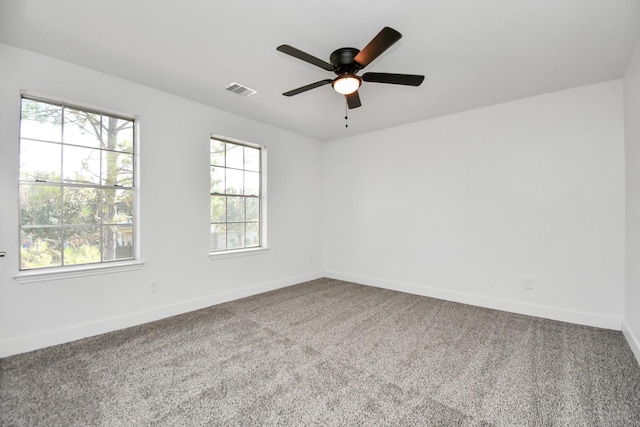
x,y
346,110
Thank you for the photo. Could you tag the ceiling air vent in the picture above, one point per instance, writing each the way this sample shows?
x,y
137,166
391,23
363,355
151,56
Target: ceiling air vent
x,y
240,89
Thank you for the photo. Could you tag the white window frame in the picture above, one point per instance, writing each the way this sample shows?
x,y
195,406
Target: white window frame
x,y
103,267
257,250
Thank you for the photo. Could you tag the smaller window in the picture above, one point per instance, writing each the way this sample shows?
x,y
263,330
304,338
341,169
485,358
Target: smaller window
x,y
236,202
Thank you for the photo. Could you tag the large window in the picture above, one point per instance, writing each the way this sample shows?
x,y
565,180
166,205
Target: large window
x,y
236,196
76,186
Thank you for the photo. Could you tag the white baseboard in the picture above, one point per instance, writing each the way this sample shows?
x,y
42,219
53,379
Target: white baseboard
x,y
49,338
633,341
59,336
553,313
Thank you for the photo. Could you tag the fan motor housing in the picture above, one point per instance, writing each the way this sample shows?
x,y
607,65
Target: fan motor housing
x,y
342,60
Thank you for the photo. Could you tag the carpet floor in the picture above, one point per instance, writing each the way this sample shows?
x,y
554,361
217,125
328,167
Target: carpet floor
x,y
327,353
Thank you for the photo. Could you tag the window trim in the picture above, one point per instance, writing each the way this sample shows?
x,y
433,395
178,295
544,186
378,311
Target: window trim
x,y
254,250
235,253
89,269
73,271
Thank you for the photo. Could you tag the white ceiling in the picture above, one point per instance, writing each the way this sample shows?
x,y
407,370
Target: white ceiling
x,y
473,52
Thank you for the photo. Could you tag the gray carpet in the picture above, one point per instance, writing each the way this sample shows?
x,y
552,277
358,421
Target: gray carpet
x,y
328,352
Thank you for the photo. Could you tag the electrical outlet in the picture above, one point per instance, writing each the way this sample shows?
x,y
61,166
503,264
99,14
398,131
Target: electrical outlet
x,y
309,259
528,283
153,286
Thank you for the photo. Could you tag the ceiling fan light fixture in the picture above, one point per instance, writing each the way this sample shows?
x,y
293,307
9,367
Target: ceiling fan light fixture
x,y
346,84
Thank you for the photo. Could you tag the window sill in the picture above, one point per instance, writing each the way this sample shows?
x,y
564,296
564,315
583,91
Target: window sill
x,y
237,253
48,274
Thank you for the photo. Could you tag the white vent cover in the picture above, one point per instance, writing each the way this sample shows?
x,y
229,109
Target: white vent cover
x,y
240,89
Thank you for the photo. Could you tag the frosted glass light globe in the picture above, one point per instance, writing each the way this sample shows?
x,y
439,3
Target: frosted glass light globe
x,y
346,84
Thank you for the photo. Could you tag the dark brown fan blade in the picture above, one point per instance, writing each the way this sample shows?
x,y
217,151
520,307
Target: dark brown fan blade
x,y
353,100
307,87
383,41
396,79
297,53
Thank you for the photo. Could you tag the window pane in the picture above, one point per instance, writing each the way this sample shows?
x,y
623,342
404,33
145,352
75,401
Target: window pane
x,y
235,196
217,153
40,204
117,242
81,245
253,209
40,160
80,205
117,206
218,237
235,157
40,247
80,165
252,237
235,209
40,120
81,128
117,169
217,180
235,236
251,183
235,181
252,159
117,134
80,209
218,209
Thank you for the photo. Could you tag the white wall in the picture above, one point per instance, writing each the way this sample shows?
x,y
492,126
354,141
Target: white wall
x,y
631,325
466,206
174,184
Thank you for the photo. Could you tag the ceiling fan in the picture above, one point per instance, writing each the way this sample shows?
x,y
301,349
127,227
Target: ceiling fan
x,y
347,61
